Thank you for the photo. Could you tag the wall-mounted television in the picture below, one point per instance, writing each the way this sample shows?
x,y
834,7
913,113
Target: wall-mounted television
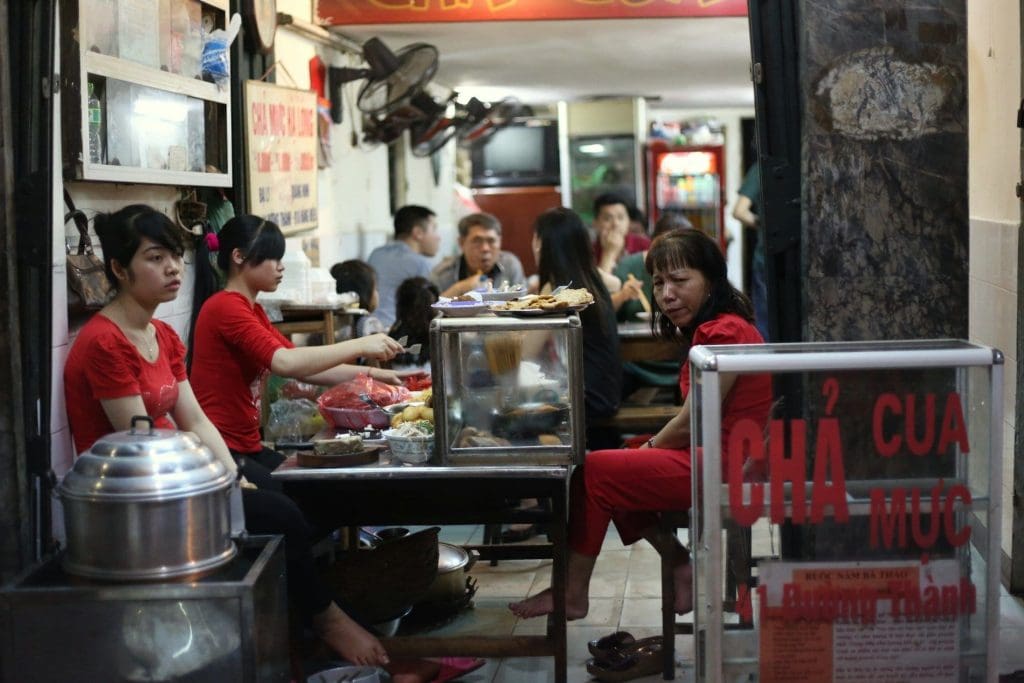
x,y
523,153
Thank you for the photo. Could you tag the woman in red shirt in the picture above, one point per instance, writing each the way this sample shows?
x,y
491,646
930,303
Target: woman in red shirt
x,y
125,363
694,304
235,346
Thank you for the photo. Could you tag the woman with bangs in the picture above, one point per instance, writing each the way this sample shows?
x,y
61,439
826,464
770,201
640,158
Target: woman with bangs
x,y
124,362
694,303
235,345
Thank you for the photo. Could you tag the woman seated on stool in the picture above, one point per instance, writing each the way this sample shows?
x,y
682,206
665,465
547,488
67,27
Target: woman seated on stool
x,y
694,304
125,363
236,346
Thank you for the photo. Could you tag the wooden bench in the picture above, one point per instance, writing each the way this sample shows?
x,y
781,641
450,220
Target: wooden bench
x,y
638,419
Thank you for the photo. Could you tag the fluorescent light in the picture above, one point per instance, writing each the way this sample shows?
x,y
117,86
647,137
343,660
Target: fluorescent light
x,y
593,148
168,110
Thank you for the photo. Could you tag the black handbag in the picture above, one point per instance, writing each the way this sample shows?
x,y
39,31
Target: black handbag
x,y
88,286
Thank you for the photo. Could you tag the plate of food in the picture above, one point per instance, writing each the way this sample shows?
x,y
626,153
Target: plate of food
x,y
504,294
342,450
562,303
461,309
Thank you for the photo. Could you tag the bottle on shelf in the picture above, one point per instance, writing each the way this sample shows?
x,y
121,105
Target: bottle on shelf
x,y
96,151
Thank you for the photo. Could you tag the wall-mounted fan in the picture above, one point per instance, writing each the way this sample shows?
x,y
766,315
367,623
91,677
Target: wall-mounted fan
x,y
392,78
436,128
386,129
472,122
486,120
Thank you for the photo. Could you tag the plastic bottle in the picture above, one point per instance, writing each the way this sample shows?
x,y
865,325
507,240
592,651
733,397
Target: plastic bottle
x,y
96,155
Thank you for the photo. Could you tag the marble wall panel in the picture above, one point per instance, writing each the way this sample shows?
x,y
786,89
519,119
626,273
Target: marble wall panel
x,y
885,231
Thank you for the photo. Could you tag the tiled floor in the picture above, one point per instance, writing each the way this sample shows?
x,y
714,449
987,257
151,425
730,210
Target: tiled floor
x,y
625,595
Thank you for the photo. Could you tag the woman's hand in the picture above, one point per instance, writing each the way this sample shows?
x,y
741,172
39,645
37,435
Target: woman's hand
x,y
385,376
379,347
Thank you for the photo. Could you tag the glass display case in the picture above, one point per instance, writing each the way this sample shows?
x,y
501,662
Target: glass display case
x,y
135,105
873,495
508,390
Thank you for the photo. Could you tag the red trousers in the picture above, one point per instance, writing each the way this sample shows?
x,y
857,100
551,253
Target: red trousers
x,y
625,486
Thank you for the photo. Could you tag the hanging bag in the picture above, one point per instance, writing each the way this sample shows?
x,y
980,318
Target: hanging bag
x,y
88,286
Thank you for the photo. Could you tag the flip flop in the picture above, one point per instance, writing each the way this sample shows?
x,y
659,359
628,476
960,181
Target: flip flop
x,y
625,648
453,668
602,647
643,662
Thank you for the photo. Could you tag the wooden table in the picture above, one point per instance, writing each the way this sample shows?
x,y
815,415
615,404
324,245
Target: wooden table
x,y
386,494
637,343
323,319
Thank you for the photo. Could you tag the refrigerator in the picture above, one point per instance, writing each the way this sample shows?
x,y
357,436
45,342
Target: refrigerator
x,y
689,180
600,164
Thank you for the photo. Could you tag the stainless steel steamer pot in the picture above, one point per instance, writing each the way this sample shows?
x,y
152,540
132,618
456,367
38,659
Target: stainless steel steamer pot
x,y
147,504
453,565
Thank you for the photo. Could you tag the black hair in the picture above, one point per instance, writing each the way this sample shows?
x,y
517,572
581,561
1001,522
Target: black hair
x,y
672,220
610,199
693,249
413,315
257,239
122,232
409,217
355,276
566,254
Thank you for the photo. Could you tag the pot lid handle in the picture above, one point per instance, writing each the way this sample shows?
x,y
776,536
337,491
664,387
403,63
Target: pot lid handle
x,y
141,418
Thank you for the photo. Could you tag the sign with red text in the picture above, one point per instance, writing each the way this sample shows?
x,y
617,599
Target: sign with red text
x,y
281,145
348,12
850,622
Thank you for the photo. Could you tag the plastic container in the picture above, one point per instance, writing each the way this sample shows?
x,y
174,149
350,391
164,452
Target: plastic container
x,y
295,280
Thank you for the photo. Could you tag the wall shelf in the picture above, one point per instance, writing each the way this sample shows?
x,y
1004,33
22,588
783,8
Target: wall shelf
x,y
134,107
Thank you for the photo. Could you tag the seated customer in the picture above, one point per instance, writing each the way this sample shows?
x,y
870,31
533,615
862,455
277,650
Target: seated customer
x,y
415,296
416,240
357,276
614,240
694,304
481,260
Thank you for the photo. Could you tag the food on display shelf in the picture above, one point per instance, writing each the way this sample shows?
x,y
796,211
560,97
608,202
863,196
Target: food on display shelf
x,y
549,440
471,437
413,414
412,430
567,298
339,445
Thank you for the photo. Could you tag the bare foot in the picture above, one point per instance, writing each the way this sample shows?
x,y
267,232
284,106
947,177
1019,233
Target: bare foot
x,y
683,575
349,639
544,603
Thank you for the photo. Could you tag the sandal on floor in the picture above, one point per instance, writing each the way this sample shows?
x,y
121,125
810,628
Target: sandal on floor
x,y
623,646
517,535
628,663
602,647
453,668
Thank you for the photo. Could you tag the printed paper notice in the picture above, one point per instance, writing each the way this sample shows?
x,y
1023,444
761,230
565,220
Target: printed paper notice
x,y
281,142
885,622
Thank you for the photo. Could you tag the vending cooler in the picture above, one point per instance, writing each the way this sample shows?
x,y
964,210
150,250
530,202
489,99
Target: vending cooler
x,y
689,180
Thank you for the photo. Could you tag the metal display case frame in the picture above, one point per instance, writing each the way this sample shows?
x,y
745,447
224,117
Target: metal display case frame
x,y
450,330
973,377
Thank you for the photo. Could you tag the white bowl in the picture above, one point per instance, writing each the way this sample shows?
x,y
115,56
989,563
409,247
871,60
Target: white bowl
x,y
412,450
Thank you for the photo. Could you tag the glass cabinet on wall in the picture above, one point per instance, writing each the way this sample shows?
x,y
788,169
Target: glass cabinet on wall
x,y
135,105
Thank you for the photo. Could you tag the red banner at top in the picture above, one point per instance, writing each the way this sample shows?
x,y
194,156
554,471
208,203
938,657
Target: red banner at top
x,y
348,12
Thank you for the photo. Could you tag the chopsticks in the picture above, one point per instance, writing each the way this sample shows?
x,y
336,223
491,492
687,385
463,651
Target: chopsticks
x,y
643,297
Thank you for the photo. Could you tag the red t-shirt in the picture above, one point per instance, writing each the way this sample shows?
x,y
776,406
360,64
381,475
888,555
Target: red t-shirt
x,y
751,395
103,364
234,342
